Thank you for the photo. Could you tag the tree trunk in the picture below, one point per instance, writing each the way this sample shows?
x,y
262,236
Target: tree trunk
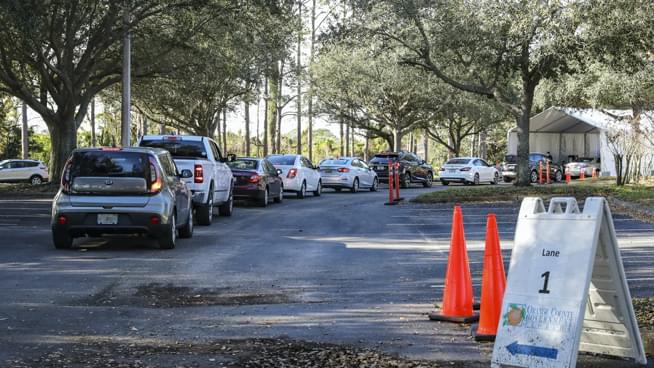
x,y
265,120
397,140
523,171
366,148
342,138
93,136
347,140
299,79
247,128
425,144
66,136
271,110
225,131
310,92
145,125
24,134
483,146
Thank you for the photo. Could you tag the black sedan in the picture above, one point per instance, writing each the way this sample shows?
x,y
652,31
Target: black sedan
x,y
256,179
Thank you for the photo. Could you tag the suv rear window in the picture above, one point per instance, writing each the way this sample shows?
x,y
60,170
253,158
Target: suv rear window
x,y
110,164
384,157
282,160
179,148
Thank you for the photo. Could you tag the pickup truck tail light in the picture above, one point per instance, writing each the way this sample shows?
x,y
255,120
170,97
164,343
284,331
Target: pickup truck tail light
x,y
65,177
198,174
254,179
292,173
465,169
343,170
156,181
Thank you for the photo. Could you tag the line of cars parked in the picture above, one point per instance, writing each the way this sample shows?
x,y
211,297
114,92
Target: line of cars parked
x,y
166,184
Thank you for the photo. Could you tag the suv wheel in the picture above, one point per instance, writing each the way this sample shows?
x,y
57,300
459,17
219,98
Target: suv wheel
x,y
227,208
61,239
303,190
375,185
507,179
280,197
355,185
36,180
186,231
318,190
169,236
405,180
263,201
533,177
428,181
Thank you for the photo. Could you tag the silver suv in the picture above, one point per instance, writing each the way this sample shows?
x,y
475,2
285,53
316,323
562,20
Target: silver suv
x,y
122,191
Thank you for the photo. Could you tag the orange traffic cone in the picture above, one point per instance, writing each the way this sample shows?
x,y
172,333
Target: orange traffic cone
x,y
492,285
457,295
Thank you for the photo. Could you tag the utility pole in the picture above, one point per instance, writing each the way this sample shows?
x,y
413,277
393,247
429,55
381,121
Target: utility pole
x,y
125,120
93,137
25,134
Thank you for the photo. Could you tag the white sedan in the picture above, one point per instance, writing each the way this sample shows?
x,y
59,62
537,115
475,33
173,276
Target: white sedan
x,y
298,174
348,173
468,170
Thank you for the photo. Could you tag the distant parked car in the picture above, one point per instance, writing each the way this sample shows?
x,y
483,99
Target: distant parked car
x,y
257,179
348,173
468,170
30,171
298,173
212,182
585,164
122,191
509,167
413,169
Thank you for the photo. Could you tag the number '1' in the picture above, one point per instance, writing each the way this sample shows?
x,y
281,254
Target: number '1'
x,y
544,290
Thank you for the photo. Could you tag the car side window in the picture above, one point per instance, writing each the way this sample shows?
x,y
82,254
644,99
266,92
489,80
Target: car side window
x,y
217,155
484,163
167,165
306,163
16,165
5,165
269,168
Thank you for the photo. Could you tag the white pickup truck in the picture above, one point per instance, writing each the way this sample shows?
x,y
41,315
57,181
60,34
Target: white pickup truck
x,y
212,182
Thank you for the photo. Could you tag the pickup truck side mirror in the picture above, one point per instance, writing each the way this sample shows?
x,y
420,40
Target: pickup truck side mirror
x,y
185,174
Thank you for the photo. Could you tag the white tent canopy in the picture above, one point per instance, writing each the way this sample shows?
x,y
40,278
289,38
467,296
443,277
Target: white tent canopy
x,y
568,132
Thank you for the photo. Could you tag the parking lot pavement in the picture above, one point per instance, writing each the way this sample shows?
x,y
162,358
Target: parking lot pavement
x,y
341,268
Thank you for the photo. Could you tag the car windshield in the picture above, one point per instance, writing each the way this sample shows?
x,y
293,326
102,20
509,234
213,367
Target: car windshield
x,y
240,164
458,161
334,162
113,164
282,160
179,148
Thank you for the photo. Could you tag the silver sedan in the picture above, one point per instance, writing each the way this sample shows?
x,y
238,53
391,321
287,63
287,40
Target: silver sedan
x,y
348,173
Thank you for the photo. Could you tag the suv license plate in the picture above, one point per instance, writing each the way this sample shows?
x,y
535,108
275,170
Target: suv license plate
x,y
107,219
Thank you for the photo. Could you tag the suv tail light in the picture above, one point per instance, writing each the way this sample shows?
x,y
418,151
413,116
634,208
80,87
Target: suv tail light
x,y
254,179
65,177
465,169
156,181
198,174
291,173
343,170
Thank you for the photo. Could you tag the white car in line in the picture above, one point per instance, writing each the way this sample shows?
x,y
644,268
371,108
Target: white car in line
x,y
348,173
298,173
31,171
468,170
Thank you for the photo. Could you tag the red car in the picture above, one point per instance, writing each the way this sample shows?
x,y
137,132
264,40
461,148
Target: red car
x,y
256,179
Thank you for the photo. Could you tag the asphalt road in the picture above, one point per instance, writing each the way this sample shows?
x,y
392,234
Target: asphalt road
x,y
342,268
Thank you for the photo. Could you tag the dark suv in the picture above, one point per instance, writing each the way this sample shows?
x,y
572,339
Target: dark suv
x,y
509,171
413,169
122,191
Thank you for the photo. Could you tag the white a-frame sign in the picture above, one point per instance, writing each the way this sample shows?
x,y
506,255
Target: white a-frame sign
x,y
566,291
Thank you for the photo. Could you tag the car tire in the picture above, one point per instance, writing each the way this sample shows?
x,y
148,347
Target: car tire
x,y
318,191
446,183
558,176
475,180
533,177
169,235
186,231
61,239
263,202
405,180
355,186
375,185
204,212
280,196
36,180
227,208
428,181
303,190
496,179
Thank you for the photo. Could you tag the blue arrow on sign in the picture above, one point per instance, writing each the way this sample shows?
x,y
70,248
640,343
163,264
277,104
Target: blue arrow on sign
x,y
538,351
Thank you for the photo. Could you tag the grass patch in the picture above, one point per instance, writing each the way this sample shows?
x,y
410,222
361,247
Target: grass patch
x,y
642,194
